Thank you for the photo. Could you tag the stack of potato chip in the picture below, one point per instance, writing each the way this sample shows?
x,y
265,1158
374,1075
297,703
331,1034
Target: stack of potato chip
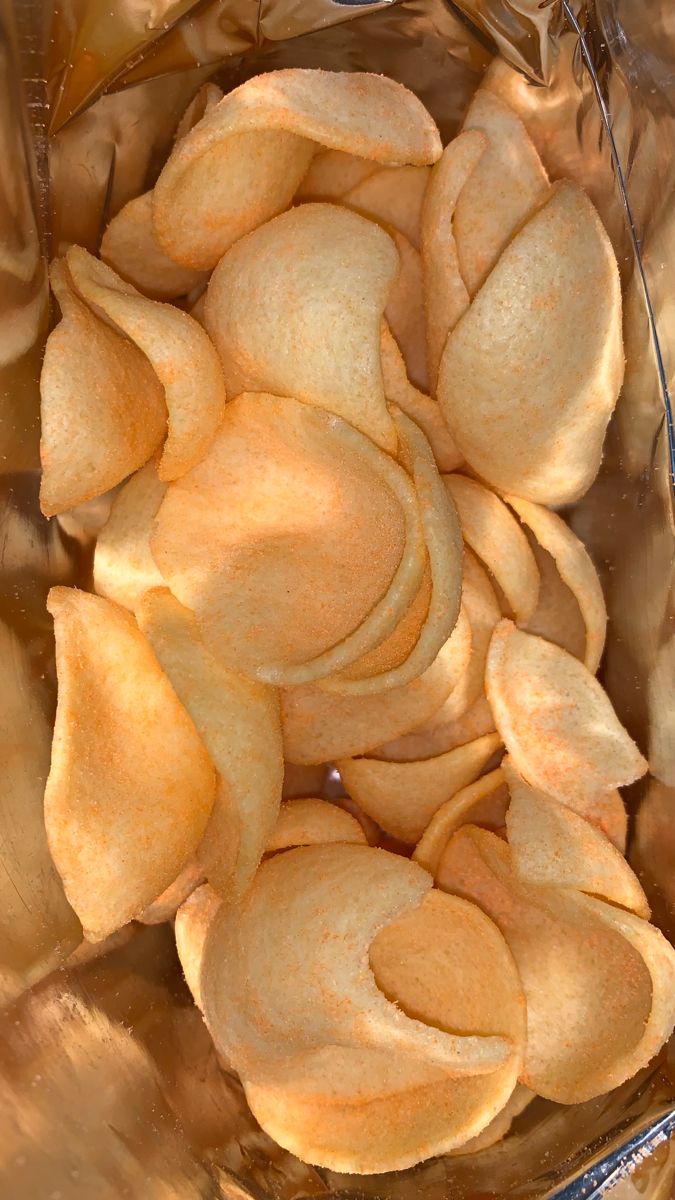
x,y
345,378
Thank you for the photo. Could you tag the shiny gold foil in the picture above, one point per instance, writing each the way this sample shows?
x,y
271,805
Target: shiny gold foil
x,y
109,1084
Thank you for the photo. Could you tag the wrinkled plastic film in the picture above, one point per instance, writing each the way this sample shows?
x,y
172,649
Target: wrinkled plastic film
x,y
89,99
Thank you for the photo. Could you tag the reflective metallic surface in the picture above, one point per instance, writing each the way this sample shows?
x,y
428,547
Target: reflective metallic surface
x,y
109,1085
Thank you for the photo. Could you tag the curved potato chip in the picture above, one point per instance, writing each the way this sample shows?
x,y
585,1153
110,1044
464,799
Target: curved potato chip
x,y
395,649
506,185
332,173
599,982
437,736
405,310
660,685
557,616
500,1125
320,726
295,308
193,921
539,350
102,407
129,244
484,802
131,785
165,906
443,541
447,298
130,247
242,163
123,566
393,196
556,720
576,570
311,822
553,845
496,537
314,541
313,991
177,348
403,797
421,409
239,722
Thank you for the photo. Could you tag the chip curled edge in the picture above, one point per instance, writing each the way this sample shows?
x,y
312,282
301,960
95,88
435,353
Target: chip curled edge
x,y
243,162
102,406
131,785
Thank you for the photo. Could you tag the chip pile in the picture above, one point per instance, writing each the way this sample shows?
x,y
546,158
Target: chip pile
x,y
341,379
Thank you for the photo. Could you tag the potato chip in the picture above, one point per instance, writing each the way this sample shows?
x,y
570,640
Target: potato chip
x,y
312,992
496,537
130,247
539,349
424,411
576,570
320,726
403,797
312,822
295,309
437,736
178,350
447,298
551,844
102,407
393,197
129,244
484,803
500,1125
499,195
242,163
332,173
394,650
557,616
556,721
296,542
164,908
444,547
598,981
193,921
405,311
239,722
661,715
123,566
131,785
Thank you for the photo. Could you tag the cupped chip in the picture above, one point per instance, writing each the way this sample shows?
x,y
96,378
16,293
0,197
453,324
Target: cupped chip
x,y
447,298
495,536
576,569
332,173
437,735
393,197
539,350
296,541
403,797
421,409
556,721
557,617
321,726
313,822
102,406
124,568
499,195
295,309
321,1033
131,785
443,542
177,348
599,982
551,844
243,162
166,905
484,803
239,721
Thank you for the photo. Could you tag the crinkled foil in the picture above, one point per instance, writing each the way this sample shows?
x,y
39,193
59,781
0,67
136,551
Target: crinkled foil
x,y
109,1086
